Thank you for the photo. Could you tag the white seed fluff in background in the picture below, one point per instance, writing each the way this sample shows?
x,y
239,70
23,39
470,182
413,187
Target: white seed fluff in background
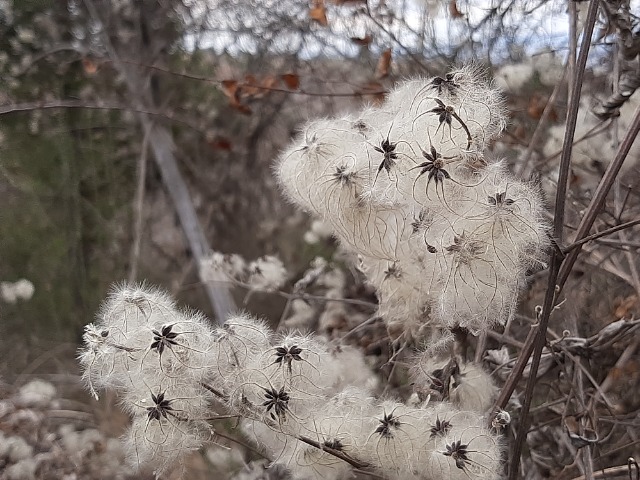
x,y
11,293
444,234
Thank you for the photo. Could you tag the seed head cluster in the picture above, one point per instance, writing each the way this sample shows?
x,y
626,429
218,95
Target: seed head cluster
x,y
443,232
309,405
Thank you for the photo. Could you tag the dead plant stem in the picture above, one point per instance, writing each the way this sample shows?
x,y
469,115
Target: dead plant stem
x,y
556,258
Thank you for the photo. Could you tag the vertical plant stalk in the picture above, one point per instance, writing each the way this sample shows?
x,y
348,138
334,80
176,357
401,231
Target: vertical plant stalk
x,y
138,205
558,225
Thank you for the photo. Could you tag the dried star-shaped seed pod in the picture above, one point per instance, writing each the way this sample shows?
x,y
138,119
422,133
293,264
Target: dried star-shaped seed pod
x,y
459,452
387,423
161,407
447,84
440,428
389,156
164,339
287,355
500,200
278,400
434,166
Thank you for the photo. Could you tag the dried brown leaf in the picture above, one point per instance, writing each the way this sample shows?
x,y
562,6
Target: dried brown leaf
x,y
384,63
250,87
375,90
220,143
268,82
89,66
291,80
454,11
232,90
318,12
362,41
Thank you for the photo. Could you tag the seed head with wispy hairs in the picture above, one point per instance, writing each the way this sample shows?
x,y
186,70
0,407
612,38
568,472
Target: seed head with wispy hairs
x,y
443,233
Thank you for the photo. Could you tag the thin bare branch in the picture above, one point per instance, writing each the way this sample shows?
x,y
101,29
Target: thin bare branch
x,y
558,226
600,196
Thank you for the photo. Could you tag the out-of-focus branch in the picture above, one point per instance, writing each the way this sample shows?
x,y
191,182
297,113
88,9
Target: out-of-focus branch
x,y
138,204
163,147
265,88
100,105
620,17
557,260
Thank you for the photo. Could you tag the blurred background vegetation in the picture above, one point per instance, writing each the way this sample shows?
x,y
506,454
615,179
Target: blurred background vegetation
x,y
231,82
109,109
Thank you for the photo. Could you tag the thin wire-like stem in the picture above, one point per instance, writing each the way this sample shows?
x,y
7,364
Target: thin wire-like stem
x,y
138,205
600,196
240,442
516,372
336,453
253,86
603,233
82,104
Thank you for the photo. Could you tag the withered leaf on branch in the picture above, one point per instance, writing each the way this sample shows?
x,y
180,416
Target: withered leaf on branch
x,y
291,80
232,90
454,11
250,87
375,90
220,143
384,63
268,82
318,12
89,66
254,87
362,41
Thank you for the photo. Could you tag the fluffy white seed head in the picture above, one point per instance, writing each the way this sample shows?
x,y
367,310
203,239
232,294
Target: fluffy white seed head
x,y
217,266
130,307
169,365
171,351
240,339
443,235
266,273
10,292
466,385
393,443
163,443
142,341
473,389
